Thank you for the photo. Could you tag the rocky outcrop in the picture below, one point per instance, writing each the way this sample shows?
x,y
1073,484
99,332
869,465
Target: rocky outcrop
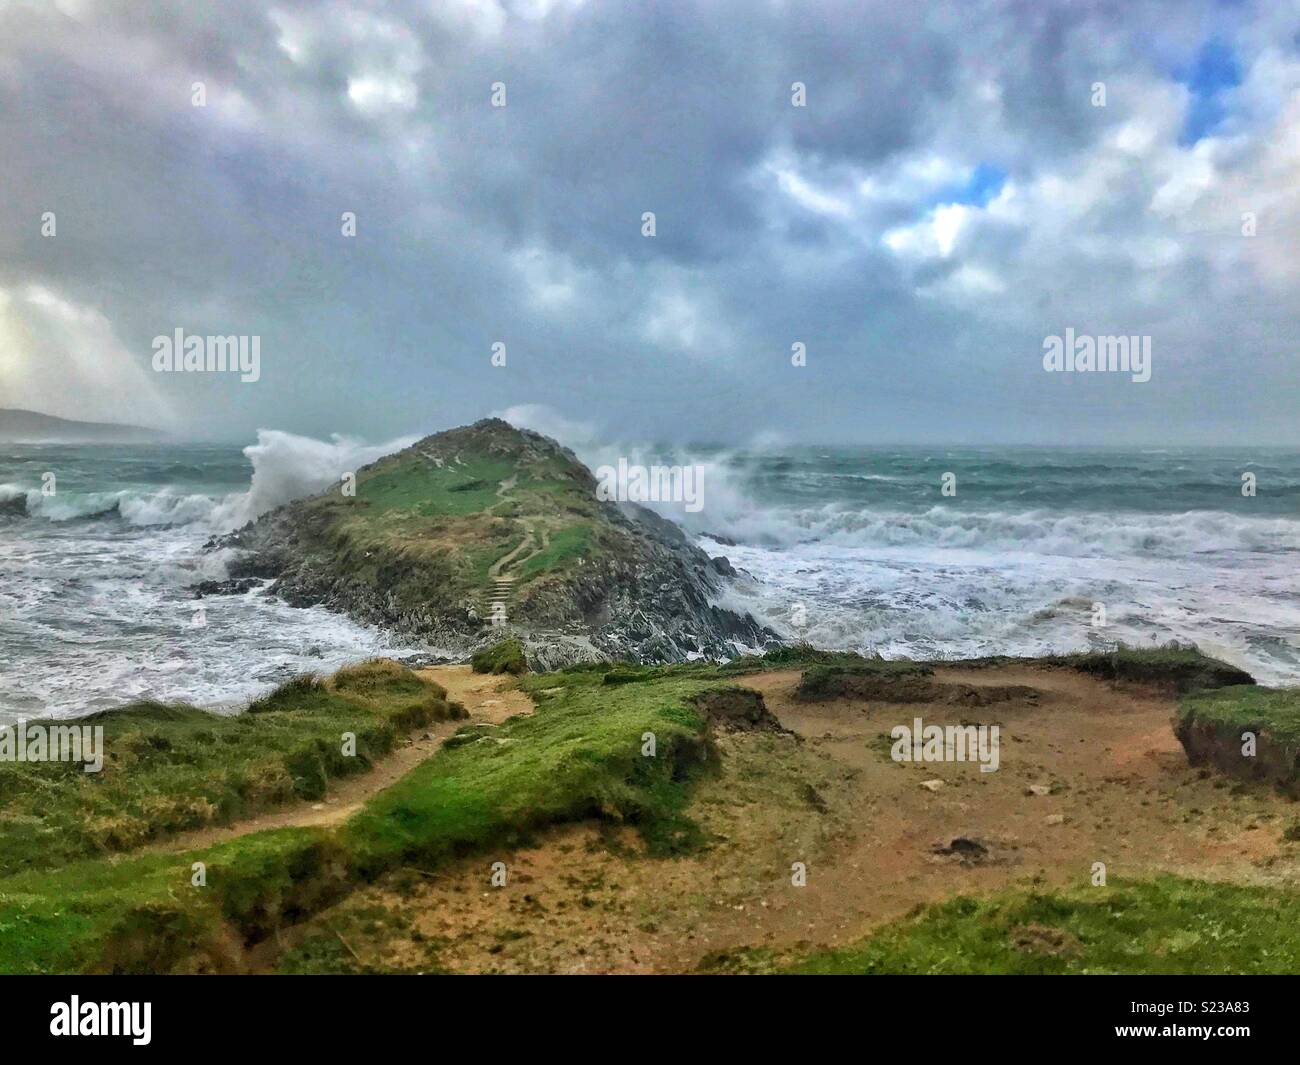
x,y
487,532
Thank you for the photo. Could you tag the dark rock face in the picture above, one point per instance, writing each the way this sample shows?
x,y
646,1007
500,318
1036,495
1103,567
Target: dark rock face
x,y
233,586
637,587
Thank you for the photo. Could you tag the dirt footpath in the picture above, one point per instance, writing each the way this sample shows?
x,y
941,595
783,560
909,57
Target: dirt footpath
x,y
479,695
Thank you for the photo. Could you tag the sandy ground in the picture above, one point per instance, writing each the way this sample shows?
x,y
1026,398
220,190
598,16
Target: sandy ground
x,y
1118,790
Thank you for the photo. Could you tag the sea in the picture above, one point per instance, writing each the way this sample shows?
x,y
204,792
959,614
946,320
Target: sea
x,y
900,551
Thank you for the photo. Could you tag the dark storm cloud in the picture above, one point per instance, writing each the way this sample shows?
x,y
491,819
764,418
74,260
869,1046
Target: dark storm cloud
x,y
836,224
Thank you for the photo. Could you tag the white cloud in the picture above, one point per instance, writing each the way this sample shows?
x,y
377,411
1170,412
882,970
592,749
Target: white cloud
x,y
826,223
376,94
550,280
807,196
935,235
60,358
382,56
549,422
681,316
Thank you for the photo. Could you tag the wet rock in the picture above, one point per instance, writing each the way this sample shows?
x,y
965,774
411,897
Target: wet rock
x,y
231,586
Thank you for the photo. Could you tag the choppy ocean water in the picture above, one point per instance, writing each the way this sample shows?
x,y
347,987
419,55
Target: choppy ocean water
x,y
848,547
1017,559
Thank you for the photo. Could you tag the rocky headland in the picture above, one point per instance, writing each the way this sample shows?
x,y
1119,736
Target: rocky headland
x,y
487,531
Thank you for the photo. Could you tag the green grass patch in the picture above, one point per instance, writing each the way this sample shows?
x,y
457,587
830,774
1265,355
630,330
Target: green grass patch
x,y
1180,667
144,914
566,547
414,485
794,656
1167,925
578,756
1212,726
343,942
168,769
1271,711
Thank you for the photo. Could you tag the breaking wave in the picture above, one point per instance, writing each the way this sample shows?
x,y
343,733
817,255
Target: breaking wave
x,y
1084,534
285,467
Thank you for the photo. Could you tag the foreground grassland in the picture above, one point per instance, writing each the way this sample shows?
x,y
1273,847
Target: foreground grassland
x,y
580,756
172,768
1165,925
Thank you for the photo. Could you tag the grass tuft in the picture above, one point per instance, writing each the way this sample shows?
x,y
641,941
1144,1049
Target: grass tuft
x,y
504,657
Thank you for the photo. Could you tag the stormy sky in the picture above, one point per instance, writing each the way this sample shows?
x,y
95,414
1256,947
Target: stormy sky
x,y
963,181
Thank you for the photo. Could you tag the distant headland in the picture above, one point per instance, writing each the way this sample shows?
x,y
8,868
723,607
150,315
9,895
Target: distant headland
x,y
32,427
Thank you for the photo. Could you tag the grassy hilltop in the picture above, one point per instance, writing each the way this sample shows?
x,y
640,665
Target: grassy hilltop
x,y
488,515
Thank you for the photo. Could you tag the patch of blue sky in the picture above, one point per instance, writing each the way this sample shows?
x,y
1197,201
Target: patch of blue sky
x,y
1209,78
981,185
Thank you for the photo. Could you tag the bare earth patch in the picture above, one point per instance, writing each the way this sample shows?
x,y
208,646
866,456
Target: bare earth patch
x,y
1089,773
